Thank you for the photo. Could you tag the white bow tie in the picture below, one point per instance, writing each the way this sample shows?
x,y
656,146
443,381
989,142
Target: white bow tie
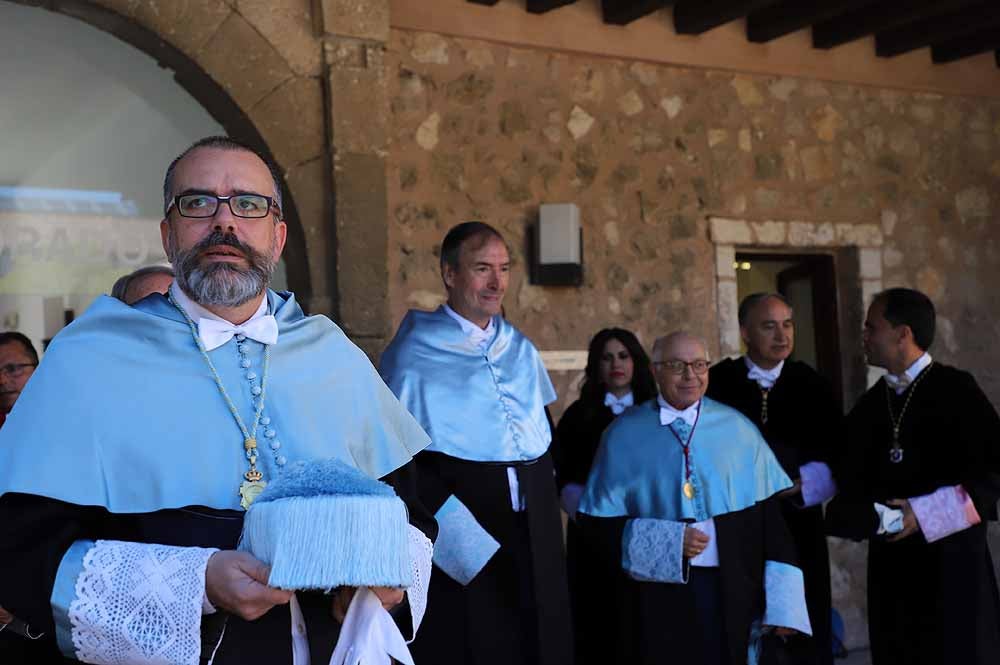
x,y
669,414
618,405
215,333
764,378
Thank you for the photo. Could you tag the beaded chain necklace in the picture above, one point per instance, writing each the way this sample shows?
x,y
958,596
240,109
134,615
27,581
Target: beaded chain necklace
x,y
896,451
254,484
688,486
764,392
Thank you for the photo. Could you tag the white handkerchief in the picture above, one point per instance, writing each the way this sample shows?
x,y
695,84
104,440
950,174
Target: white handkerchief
x,y
890,519
369,636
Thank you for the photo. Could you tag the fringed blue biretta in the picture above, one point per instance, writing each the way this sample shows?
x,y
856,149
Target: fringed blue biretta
x,y
324,524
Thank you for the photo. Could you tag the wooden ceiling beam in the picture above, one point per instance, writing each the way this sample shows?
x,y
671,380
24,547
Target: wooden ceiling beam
x,y
789,16
623,12
693,17
488,3
542,6
929,31
879,16
963,47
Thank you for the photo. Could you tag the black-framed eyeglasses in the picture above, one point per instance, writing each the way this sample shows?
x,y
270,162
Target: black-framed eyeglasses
x,y
200,206
15,370
699,366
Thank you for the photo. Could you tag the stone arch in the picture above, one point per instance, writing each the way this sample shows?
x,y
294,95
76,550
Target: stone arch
x,y
219,54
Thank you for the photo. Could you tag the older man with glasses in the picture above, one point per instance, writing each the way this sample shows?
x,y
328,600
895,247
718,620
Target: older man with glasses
x,y
127,468
681,497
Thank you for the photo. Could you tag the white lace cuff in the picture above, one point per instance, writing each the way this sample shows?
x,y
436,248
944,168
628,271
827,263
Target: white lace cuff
x,y
421,553
943,512
785,594
119,602
653,550
463,546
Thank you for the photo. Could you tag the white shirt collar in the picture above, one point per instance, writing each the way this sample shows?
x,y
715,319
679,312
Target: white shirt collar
x,y
900,383
479,336
669,414
765,378
196,311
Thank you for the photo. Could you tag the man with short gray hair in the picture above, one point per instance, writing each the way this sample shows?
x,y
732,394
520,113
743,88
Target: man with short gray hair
x,y
479,388
681,497
796,412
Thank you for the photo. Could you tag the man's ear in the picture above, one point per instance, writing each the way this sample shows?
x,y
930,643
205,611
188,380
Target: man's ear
x,y
448,275
280,237
745,336
165,235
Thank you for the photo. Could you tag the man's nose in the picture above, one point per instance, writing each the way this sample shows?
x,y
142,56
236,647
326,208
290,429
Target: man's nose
x,y
224,218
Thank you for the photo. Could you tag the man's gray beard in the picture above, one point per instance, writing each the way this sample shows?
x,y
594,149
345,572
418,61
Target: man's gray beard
x,y
221,284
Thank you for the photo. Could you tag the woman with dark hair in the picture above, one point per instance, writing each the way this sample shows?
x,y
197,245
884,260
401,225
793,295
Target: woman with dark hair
x,y
618,375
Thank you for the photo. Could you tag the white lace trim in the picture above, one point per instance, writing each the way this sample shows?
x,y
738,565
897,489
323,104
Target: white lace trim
x,y
421,553
139,603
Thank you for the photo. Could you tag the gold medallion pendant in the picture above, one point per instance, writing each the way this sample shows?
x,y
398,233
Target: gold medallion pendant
x,y
249,491
688,490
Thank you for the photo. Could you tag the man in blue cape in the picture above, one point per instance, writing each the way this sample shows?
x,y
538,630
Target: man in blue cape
x,y
128,463
479,389
681,496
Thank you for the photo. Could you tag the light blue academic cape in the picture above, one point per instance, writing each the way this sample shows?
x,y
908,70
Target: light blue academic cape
x,y
639,467
123,412
477,405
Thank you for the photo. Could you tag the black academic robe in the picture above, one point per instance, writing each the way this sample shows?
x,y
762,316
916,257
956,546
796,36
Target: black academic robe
x,y
928,603
658,623
591,584
516,610
804,424
35,532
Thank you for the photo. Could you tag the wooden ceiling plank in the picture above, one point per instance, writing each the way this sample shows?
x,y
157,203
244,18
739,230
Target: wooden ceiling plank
x,y
879,16
963,47
938,29
542,6
789,16
693,17
623,12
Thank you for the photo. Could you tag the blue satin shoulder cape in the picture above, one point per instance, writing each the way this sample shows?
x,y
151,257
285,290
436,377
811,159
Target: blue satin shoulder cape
x,y
639,467
482,406
123,412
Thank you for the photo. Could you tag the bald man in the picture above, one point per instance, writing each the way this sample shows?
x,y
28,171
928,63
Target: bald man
x,y
681,496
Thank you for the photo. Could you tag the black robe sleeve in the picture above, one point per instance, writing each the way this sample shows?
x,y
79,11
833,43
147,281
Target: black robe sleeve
x,y
851,514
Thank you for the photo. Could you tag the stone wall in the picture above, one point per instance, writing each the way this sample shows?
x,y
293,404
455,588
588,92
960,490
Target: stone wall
x,y
651,153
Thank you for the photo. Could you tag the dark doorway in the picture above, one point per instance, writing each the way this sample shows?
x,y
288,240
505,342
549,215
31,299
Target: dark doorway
x,y
809,283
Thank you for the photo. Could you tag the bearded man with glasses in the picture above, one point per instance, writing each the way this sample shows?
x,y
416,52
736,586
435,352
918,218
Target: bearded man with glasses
x,y
119,519
681,497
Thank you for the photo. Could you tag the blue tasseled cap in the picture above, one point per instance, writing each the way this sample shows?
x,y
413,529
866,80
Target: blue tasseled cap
x,y
327,477
324,524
